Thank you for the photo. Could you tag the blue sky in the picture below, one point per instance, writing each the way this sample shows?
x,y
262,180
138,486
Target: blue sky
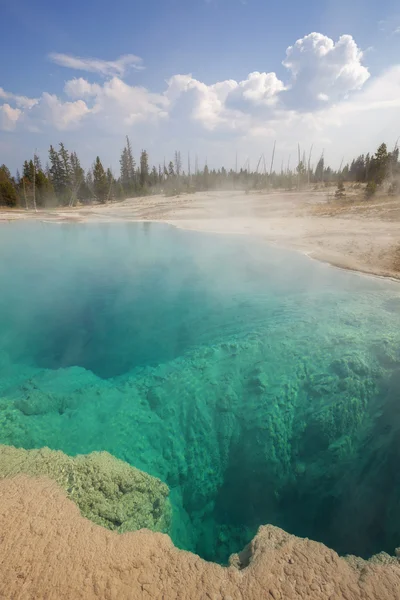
x,y
190,86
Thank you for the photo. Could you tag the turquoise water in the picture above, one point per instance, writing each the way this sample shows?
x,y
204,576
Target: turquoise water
x,y
261,386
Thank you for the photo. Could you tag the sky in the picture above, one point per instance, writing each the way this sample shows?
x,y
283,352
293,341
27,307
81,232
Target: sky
x,y
212,78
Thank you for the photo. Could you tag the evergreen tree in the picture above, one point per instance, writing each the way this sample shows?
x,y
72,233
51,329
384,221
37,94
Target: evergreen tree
x,y
119,191
100,184
319,171
37,162
78,188
131,161
8,192
178,163
154,177
379,166
65,173
301,173
370,190
127,166
28,170
89,184
57,175
110,184
341,191
144,169
44,190
171,172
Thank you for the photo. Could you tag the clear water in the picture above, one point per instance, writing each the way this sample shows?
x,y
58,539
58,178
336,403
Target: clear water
x,y
261,386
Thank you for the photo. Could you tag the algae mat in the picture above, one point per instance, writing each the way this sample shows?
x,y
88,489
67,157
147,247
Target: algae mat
x,y
260,386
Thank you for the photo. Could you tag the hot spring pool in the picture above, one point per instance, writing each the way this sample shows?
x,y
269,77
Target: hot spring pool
x,y
261,386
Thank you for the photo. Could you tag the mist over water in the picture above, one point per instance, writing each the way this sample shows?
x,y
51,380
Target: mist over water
x,y
261,386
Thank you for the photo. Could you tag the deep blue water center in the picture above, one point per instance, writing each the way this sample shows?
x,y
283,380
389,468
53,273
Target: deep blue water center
x,y
261,386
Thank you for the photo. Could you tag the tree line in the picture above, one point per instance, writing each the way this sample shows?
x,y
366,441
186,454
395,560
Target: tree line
x,y
63,181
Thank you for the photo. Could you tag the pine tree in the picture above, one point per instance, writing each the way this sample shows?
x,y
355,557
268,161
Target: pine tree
x,y
319,171
56,173
38,164
380,164
8,192
131,161
178,163
78,188
154,176
127,166
44,190
340,191
28,171
100,185
110,184
370,190
144,169
66,169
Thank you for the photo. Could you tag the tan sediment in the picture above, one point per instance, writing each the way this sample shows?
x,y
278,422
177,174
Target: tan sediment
x,y
49,551
357,235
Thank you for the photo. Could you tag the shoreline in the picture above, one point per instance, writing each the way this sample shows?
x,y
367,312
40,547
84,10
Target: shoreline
x,y
357,238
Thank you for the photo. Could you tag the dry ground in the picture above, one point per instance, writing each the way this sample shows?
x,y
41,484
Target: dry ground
x,y
49,552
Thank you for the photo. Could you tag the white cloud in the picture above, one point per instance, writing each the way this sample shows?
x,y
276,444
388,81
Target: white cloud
x,y
21,101
77,88
327,98
397,30
259,89
62,115
115,105
189,98
9,117
323,70
107,68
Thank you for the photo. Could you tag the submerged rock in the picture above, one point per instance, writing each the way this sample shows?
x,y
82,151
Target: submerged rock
x,y
107,491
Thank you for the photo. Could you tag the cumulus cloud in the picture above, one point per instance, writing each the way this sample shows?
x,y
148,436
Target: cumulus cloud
x,y
190,98
20,101
78,88
323,71
325,91
259,89
118,104
62,115
96,65
9,117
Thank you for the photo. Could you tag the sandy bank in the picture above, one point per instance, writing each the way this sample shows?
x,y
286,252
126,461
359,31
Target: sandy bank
x,y
48,550
361,236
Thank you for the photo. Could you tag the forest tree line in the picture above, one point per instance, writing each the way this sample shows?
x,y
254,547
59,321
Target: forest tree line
x,y
63,181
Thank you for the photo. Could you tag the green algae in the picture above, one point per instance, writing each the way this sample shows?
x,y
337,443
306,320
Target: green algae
x,y
107,491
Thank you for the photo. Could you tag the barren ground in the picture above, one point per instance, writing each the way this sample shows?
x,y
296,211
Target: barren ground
x,y
353,234
49,551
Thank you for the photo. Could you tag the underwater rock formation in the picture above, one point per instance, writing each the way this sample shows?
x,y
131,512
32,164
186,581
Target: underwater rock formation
x,y
263,393
239,438
49,550
107,491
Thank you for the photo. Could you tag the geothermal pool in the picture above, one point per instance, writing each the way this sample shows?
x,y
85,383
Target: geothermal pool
x,y
261,386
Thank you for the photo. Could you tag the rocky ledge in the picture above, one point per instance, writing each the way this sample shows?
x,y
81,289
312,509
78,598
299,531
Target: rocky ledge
x,y
49,550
